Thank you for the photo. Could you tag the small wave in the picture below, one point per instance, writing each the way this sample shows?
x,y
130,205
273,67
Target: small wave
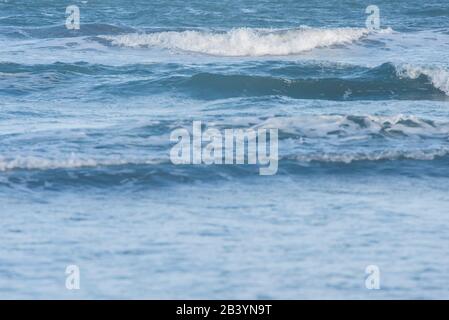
x,y
380,155
302,82
243,41
56,174
439,76
75,68
380,83
71,162
60,31
296,80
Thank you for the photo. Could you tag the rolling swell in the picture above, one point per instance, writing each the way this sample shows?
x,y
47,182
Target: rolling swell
x,y
60,31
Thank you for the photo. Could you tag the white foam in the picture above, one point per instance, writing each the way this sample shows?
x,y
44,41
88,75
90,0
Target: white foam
x,y
439,76
70,162
244,41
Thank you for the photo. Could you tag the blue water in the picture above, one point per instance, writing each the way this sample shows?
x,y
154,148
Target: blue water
x,y
86,178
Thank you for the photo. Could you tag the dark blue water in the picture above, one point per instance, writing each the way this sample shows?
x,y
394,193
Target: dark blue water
x,y
86,178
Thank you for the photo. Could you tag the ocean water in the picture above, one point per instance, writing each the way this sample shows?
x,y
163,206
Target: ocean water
x,y
86,178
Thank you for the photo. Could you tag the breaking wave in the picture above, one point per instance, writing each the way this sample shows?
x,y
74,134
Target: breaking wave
x,y
243,41
340,126
322,138
439,76
70,162
385,82
380,155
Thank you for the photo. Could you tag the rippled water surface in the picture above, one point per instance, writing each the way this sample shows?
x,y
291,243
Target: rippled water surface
x,y
86,177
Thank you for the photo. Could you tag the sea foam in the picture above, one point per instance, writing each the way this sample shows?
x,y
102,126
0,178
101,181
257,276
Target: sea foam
x,y
243,41
72,161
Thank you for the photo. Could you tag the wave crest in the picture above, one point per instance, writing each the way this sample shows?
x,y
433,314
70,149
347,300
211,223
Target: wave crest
x,y
439,76
380,155
243,41
339,126
71,162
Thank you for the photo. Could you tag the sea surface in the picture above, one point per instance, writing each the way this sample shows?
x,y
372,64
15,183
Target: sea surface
x,y
86,178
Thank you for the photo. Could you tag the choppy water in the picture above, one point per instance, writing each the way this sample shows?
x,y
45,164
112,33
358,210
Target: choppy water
x,y
86,178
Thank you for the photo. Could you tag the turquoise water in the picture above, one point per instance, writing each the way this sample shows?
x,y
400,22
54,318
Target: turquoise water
x,y
86,178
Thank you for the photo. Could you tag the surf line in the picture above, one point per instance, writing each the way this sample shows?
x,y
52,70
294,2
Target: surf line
x,y
186,310
216,147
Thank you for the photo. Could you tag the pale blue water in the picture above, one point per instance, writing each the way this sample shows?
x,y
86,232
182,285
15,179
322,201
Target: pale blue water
x,y
86,179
